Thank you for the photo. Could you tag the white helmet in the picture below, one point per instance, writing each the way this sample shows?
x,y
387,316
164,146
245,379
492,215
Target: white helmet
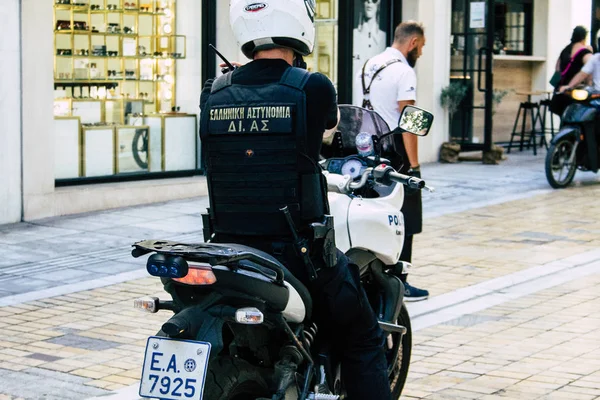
x,y
266,24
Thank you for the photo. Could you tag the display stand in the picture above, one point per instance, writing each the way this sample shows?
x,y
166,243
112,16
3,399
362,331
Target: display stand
x,y
67,145
98,151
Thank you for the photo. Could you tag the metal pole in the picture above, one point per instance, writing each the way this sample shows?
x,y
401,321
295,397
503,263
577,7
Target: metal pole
x,y
489,77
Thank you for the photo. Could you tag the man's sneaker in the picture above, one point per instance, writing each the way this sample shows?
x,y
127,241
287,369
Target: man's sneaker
x,y
412,293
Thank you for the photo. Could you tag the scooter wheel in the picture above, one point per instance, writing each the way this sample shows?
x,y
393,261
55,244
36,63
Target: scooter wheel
x,y
559,171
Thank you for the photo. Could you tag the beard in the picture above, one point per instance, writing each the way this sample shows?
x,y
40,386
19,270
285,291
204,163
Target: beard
x,y
412,57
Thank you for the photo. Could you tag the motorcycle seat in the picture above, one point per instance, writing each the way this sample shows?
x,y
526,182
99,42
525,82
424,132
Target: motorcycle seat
x,y
205,252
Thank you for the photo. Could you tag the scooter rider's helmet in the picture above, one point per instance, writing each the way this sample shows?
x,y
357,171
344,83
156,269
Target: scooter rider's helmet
x,y
267,24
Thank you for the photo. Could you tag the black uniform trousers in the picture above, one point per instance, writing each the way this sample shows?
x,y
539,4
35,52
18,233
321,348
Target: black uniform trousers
x,y
345,319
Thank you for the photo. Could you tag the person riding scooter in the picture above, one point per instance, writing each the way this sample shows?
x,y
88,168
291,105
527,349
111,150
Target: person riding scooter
x,y
591,68
261,128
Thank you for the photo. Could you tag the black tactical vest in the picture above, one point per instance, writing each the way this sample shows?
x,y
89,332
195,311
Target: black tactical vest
x,y
255,150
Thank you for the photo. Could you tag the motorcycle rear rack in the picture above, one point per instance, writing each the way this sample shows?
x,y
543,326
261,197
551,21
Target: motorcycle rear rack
x,y
211,253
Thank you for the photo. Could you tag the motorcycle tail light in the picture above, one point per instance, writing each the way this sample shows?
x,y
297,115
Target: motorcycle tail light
x,y
198,275
249,316
148,304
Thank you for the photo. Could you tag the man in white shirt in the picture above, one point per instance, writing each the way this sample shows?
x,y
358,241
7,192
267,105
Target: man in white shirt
x,y
389,84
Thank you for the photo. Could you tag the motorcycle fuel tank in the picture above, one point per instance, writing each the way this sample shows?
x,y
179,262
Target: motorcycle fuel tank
x,y
376,226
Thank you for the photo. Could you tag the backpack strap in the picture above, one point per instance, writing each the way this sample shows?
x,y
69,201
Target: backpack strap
x,y
222,82
295,77
367,89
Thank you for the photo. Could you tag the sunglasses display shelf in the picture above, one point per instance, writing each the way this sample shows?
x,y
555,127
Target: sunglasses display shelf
x,y
114,67
129,48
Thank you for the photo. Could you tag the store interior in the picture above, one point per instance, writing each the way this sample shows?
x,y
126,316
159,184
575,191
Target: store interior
x,y
115,84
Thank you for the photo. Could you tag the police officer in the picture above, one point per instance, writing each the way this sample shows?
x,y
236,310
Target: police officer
x,y
261,128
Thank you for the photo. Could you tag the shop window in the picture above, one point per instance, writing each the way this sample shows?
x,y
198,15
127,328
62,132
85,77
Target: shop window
x,y
513,27
324,57
115,82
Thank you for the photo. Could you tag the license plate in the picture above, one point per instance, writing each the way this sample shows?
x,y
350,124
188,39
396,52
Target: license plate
x,y
174,369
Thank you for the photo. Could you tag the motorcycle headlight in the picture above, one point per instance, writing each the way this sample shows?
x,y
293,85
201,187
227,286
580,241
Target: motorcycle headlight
x,y
580,94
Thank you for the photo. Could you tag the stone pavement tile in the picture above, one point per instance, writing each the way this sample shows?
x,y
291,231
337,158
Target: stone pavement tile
x,y
436,382
475,368
27,232
15,284
12,366
100,384
105,369
509,374
89,373
454,394
135,373
486,384
564,395
123,380
179,224
581,390
115,386
426,367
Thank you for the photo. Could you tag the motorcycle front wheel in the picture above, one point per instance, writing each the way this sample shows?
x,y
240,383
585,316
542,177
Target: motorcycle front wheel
x,y
399,355
559,171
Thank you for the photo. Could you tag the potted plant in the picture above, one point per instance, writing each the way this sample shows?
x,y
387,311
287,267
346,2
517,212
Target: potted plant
x,y
451,98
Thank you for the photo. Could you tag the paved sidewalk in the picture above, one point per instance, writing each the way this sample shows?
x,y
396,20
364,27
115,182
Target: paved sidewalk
x,y
512,266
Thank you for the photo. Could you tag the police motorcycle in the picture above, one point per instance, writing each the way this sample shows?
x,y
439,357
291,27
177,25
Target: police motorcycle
x,y
242,325
576,145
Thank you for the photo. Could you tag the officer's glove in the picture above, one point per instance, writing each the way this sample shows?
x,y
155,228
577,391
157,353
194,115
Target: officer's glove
x,y
416,172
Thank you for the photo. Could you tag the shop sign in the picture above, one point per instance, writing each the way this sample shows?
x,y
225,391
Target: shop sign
x,y
477,15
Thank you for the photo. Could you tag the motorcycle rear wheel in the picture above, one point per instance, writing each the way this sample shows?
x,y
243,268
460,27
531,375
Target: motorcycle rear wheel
x,y
398,372
557,159
230,378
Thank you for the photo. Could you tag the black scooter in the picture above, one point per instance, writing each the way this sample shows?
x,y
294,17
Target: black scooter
x,y
575,146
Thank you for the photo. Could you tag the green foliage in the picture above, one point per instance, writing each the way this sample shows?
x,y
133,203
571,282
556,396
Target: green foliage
x,y
452,96
497,98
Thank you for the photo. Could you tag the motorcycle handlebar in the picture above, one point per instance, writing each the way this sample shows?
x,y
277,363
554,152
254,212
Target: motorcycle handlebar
x,y
363,180
382,174
409,181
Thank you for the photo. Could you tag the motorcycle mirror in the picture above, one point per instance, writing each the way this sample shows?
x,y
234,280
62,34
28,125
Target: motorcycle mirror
x,y
415,120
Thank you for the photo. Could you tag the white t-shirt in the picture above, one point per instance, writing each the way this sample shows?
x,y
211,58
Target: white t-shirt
x,y
592,67
397,82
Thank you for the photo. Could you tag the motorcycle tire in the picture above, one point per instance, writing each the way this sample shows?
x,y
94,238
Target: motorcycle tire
x,y
230,378
555,155
402,351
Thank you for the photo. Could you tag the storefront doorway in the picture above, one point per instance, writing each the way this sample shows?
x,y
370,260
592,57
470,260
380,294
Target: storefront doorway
x,y
471,67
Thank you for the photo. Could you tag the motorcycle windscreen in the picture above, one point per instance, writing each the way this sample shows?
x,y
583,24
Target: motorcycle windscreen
x,y
354,120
